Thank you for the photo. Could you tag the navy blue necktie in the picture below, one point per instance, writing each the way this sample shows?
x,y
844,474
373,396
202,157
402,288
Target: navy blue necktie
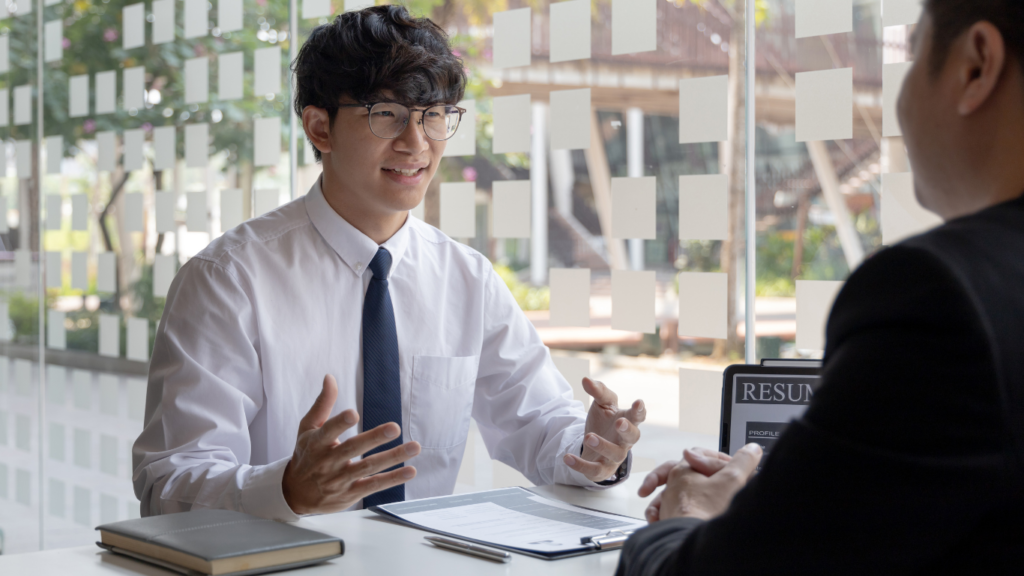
x,y
382,389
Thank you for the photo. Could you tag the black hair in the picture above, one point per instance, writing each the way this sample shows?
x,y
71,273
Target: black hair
x,y
951,18
362,54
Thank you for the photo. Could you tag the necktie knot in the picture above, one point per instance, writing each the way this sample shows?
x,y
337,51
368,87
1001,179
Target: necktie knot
x,y
381,264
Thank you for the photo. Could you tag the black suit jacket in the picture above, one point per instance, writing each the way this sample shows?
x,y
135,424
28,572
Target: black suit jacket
x,y
910,458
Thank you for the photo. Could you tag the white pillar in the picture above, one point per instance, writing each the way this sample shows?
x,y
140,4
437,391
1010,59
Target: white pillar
x,y
635,169
539,196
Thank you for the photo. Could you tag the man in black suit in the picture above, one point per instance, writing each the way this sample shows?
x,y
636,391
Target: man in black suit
x,y
910,458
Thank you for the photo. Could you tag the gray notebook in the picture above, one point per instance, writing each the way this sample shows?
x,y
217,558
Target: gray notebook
x,y
218,542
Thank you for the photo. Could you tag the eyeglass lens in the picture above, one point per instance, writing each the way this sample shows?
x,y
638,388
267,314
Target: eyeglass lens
x,y
389,119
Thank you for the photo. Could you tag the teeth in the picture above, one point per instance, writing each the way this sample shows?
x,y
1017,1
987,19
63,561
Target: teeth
x,y
405,172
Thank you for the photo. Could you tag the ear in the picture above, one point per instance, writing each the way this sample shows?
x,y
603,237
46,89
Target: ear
x,y
982,59
317,124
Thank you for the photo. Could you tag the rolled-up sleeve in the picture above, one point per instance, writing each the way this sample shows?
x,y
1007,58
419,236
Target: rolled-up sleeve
x,y
205,388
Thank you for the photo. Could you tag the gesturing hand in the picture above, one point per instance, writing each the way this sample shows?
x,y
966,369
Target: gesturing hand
x,y
321,476
610,433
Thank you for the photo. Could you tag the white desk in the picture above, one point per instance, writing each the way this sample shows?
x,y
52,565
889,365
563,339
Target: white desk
x,y
373,546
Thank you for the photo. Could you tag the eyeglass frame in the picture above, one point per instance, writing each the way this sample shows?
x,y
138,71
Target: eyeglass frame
x,y
422,111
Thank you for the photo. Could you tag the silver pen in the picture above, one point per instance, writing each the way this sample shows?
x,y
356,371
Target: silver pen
x,y
471,549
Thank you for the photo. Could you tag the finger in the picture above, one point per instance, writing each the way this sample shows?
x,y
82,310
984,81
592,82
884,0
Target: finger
x,y
637,413
381,461
610,450
629,434
653,512
589,469
601,393
372,484
333,428
709,453
657,477
322,406
362,443
703,464
744,462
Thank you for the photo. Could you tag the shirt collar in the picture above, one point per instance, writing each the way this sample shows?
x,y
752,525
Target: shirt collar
x,y
355,248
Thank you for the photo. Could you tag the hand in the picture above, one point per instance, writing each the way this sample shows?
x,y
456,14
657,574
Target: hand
x,y
701,460
609,433
321,476
689,493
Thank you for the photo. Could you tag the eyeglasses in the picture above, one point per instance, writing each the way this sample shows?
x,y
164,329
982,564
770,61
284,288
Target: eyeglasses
x,y
389,119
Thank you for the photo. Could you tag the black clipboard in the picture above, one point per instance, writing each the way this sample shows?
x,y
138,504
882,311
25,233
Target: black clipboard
x,y
768,366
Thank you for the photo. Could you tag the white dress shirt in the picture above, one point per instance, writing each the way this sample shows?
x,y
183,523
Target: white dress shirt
x,y
254,322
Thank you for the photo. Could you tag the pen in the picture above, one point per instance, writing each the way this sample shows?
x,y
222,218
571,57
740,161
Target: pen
x,y
471,549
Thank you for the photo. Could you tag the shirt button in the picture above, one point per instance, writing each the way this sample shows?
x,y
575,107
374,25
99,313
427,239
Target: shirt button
x,y
359,266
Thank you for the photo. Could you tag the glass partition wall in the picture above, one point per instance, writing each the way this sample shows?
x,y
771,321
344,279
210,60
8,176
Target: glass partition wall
x,y
602,167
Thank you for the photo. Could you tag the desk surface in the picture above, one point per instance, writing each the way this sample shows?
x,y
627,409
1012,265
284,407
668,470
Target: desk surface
x,y
372,546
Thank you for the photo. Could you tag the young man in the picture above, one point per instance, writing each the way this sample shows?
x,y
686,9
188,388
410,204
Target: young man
x,y
414,332
910,459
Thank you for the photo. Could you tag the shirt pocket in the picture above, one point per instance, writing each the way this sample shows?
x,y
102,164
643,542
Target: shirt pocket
x,y
442,399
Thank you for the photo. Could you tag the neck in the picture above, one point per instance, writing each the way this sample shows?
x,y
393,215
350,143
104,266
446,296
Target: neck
x,y
377,225
998,177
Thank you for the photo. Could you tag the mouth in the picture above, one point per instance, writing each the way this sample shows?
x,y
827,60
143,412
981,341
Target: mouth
x,y
414,172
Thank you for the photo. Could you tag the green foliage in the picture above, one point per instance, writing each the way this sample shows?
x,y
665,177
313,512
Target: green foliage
x,y
823,259
528,297
24,313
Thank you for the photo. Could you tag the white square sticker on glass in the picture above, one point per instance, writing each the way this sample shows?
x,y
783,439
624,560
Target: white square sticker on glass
x,y
133,26
570,119
79,212
56,333
458,209
5,53
230,209
79,270
133,221
700,400
22,105
511,44
110,335
54,266
634,207
463,143
163,273
138,339
134,141
902,215
574,370
54,211
164,206
22,268
164,147
163,21
265,200
267,141
893,76
821,17
196,18
197,80
703,109
197,145
900,12
511,209
570,297
53,33
814,300
266,71
108,394
106,275
824,105
704,207
134,86
703,304
229,15
633,296
106,92
512,120
23,158
229,76
351,5
54,154
634,26
106,147
4,207
570,30
315,8
195,212
5,107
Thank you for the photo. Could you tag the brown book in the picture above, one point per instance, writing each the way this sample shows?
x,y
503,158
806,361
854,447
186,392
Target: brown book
x,y
218,542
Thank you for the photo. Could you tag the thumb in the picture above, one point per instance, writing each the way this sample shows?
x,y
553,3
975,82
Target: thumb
x,y
322,406
744,462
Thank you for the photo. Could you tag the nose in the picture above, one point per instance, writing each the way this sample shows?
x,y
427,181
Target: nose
x,y
412,140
